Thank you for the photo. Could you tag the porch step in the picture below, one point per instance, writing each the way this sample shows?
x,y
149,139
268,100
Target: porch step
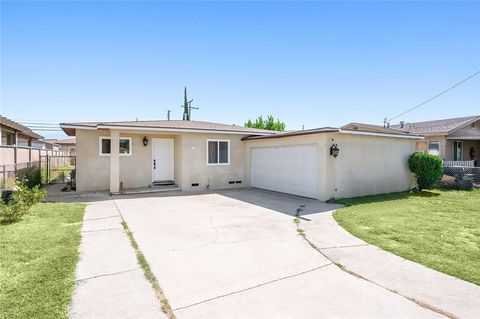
x,y
148,190
162,183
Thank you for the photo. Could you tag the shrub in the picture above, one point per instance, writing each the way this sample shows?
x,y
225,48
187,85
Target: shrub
x,y
31,176
427,168
22,199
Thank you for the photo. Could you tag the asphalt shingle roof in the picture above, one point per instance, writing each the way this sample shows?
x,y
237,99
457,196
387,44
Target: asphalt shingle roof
x,y
436,127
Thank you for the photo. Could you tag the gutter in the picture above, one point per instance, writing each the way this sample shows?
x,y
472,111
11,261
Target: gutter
x,y
416,137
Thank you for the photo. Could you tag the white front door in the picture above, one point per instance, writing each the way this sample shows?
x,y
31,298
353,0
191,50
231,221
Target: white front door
x,y
162,159
286,169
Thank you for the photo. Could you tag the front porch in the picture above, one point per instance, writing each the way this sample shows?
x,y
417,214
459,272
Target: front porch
x,y
146,163
465,149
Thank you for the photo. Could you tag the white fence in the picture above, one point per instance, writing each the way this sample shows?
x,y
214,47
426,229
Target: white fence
x,y
459,163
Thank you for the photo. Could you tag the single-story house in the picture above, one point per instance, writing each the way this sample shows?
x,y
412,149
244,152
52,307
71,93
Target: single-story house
x,y
319,163
455,139
45,145
66,145
13,133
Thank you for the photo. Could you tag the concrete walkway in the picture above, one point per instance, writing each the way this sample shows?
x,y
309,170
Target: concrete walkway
x,y
109,281
453,297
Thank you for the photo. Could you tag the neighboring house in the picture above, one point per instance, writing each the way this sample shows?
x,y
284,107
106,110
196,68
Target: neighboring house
x,y
45,145
198,155
456,139
67,146
13,133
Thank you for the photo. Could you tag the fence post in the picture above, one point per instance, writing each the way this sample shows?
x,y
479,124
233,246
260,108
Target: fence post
x,y
4,177
15,159
47,171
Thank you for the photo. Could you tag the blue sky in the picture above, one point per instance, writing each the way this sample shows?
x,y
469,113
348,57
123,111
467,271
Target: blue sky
x,y
309,63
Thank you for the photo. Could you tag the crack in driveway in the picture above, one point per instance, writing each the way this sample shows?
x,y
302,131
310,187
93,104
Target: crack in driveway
x,y
253,287
106,275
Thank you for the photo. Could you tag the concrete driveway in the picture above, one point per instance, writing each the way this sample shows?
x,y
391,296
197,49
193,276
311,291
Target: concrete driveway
x,y
237,254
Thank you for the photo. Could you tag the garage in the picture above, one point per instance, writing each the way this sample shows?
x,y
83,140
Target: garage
x,y
289,169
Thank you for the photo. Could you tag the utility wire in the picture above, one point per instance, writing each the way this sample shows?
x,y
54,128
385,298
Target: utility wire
x,y
431,99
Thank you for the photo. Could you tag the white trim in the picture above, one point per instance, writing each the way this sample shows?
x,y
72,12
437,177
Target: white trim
x,y
161,129
100,138
218,152
416,137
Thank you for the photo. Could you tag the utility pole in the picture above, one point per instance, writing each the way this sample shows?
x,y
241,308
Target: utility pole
x,y
187,107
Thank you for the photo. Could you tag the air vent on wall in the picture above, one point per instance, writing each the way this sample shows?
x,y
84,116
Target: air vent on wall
x,y
194,184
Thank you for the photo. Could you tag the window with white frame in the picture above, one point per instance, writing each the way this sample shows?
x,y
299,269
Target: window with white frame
x,y
218,152
125,146
434,147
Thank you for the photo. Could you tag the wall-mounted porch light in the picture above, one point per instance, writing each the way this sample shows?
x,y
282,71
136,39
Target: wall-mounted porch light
x,y
145,141
334,150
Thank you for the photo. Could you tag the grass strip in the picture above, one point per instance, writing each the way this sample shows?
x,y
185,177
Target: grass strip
x,y
142,261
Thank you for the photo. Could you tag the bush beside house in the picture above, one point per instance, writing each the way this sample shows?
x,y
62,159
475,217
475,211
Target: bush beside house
x,y
427,168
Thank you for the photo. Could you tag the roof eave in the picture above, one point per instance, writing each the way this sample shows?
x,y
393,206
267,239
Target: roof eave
x,y
66,127
462,126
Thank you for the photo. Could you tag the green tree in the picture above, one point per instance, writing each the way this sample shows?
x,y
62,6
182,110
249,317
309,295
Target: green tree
x,y
427,168
269,124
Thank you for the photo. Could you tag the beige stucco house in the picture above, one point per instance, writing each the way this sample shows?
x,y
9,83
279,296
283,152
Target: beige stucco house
x,y
455,139
193,155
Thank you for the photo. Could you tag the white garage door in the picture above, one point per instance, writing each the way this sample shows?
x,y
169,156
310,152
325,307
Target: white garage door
x,y
286,169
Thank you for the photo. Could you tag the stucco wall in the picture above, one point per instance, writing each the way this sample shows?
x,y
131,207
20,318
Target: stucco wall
x,y
196,170
368,165
93,170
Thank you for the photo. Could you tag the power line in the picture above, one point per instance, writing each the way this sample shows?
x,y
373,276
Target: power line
x,y
431,99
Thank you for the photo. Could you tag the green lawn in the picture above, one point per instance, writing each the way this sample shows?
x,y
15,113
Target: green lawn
x,y
439,229
37,262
